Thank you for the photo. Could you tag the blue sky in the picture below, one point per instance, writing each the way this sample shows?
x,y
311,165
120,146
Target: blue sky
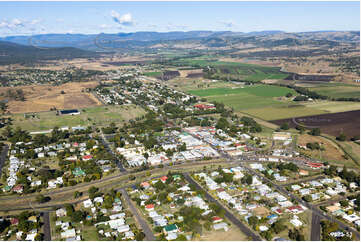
x,y
24,18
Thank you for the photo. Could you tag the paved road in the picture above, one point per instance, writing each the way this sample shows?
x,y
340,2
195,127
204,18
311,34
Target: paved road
x,y
47,232
229,215
110,151
146,229
3,157
315,227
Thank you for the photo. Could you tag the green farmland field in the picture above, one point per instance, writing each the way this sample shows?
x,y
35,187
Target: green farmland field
x,y
338,91
269,103
153,74
235,70
257,90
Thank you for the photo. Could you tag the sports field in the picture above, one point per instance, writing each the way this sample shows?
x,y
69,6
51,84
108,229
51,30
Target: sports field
x,y
87,116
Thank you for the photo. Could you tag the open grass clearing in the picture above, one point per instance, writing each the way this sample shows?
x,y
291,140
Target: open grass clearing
x,y
332,152
188,84
339,91
334,107
100,116
282,111
233,234
44,97
257,90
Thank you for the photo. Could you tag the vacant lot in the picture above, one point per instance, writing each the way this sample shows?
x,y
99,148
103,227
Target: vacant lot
x,y
233,234
332,152
332,124
100,116
44,97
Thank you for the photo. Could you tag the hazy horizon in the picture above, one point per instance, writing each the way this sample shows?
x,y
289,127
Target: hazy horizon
x,y
31,18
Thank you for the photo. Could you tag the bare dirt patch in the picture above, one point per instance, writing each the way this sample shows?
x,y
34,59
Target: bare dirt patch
x,y
233,234
43,97
261,211
196,73
332,124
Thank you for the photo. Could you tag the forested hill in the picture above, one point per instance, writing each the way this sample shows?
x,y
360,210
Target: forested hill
x,y
11,53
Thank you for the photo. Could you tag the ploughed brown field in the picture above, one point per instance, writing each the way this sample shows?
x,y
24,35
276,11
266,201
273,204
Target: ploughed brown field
x,y
44,97
332,124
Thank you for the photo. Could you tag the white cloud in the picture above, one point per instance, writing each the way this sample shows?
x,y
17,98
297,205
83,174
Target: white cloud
x,y
175,27
123,20
18,23
35,21
105,26
228,23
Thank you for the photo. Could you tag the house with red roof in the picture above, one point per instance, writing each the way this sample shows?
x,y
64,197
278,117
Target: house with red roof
x,y
164,179
278,211
217,219
204,106
145,185
314,165
18,189
149,207
14,221
75,144
87,157
295,209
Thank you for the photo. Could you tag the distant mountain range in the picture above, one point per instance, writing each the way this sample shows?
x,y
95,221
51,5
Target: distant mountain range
x,y
28,49
11,53
126,41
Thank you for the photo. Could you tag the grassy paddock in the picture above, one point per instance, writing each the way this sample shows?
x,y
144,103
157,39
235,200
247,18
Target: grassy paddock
x,y
257,90
338,91
101,116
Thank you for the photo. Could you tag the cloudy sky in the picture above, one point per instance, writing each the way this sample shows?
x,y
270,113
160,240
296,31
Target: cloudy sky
x,y
25,18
